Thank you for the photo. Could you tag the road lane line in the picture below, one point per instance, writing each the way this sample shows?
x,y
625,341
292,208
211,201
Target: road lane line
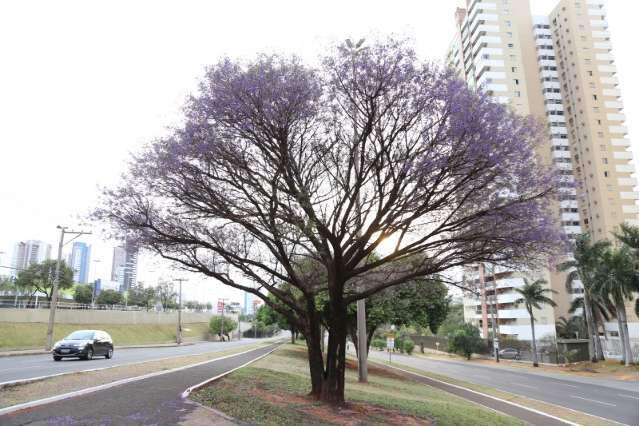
x,y
628,396
85,391
570,386
593,400
526,386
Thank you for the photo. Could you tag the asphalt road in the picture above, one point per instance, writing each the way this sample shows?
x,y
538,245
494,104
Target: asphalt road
x,y
613,400
152,401
30,366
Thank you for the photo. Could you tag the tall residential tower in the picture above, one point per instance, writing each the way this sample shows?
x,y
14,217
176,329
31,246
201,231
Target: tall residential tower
x,y
560,70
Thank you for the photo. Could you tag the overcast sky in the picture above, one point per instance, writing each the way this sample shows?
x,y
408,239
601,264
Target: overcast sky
x,y
85,83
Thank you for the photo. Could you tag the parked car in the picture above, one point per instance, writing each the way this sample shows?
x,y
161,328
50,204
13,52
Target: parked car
x,y
510,353
84,344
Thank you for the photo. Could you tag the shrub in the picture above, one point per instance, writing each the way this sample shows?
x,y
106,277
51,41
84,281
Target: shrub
x,y
465,340
408,346
379,344
215,325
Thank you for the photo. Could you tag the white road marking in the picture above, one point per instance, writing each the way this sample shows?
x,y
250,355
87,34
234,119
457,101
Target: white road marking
x,y
593,400
570,386
628,396
526,386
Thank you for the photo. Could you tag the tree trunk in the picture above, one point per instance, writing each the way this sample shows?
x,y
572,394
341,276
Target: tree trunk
x,y
369,339
534,343
598,345
625,336
591,327
622,338
315,358
333,380
293,335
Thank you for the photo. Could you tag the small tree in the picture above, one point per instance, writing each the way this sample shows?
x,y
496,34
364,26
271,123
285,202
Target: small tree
x,y
533,295
83,293
110,297
39,278
222,326
465,340
166,295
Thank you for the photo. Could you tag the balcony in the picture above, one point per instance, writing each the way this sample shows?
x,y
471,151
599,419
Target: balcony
x,y
620,142
601,34
618,130
603,45
622,155
630,209
629,195
625,168
613,81
613,104
607,69
605,57
632,182
616,117
599,23
616,93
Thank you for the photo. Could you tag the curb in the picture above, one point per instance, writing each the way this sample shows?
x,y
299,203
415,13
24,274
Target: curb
x,y
43,352
44,401
200,385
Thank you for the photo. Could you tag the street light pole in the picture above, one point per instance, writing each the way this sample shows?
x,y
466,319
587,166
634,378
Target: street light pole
x,y
362,344
56,281
178,334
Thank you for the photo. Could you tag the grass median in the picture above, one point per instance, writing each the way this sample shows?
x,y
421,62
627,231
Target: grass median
x,y
20,393
273,391
18,336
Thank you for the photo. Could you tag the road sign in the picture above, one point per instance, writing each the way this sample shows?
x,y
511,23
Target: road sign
x,y
390,343
220,306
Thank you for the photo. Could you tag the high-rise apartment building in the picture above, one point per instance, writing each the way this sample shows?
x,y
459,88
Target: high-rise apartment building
x,y
560,70
596,123
27,253
79,261
125,265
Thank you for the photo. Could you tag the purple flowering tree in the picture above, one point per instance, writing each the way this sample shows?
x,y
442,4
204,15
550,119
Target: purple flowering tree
x,y
279,166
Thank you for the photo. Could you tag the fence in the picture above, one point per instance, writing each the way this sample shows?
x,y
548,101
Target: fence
x,y
560,351
44,304
612,348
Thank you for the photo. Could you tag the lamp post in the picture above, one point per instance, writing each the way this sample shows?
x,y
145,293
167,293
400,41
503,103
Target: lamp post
x,y
178,334
56,280
362,344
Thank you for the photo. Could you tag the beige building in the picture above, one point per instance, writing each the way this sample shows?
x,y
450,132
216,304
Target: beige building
x,y
500,48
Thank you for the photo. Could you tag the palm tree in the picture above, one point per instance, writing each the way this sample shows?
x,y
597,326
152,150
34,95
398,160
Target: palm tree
x,y
617,277
534,296
603,310
586,259
570,328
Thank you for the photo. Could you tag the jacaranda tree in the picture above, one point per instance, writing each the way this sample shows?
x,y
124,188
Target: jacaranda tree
x,y
279,164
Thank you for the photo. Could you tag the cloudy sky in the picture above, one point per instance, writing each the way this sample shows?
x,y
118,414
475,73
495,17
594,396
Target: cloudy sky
x,y
84,83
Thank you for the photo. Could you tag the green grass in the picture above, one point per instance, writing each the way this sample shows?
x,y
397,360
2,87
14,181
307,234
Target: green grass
x,y
15,336
273,392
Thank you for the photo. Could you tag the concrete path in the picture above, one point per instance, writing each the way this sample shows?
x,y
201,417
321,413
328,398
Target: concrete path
x,y
152,401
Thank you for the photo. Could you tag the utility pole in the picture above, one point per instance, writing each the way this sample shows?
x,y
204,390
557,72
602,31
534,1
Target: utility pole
x,y
484,307
362,344
178,334
496,331
56,280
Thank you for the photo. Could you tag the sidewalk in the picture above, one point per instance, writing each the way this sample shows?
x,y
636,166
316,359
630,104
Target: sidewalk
x,y
42,351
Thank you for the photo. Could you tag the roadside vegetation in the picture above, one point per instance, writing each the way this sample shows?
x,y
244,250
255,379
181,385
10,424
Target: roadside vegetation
x,y
17,336
274,391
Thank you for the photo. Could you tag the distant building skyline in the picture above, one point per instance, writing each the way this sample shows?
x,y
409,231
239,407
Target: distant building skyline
x,y
27,253
80,262
124,267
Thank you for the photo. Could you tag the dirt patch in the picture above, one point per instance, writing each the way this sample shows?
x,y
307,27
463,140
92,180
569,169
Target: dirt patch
x,y
356,414
375,370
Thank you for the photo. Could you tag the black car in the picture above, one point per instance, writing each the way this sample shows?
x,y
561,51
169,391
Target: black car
x,y
510,353
84,344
